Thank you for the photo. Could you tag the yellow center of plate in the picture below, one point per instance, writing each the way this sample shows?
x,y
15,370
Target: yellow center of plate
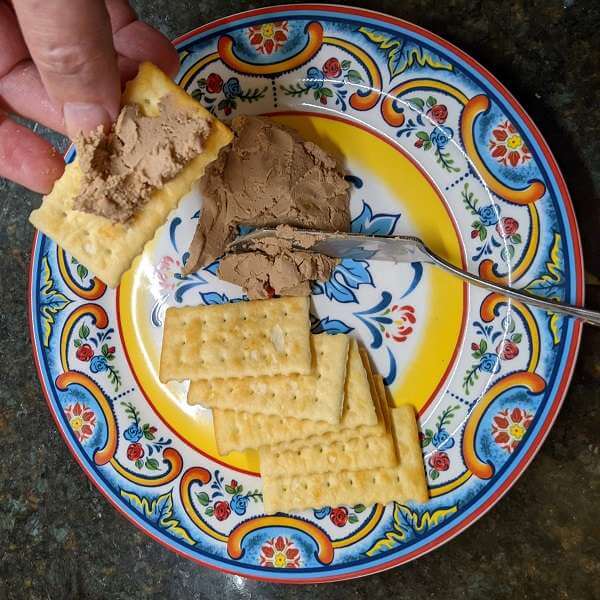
x,y
440,319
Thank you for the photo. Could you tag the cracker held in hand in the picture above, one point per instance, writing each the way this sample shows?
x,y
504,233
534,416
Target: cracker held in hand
x,y
106,247
318,396
243,339
402,483
238,430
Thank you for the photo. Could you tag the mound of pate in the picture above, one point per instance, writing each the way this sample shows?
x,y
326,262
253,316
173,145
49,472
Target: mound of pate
x,y
269,176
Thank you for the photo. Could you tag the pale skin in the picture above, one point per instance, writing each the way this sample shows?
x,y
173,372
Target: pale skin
x,y
62,64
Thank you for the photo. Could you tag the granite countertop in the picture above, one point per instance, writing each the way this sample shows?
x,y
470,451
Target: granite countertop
x,y
60,539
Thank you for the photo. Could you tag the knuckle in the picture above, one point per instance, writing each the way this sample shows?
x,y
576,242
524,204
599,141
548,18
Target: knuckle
x,y
66,59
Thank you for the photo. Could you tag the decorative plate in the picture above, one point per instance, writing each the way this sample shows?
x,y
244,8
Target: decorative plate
x,y
434,146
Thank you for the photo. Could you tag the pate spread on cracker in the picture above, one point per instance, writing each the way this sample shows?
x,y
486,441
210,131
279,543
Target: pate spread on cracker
x,y
108,248
138,155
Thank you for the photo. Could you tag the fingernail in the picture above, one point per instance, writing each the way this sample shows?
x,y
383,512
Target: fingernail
x,y
84,117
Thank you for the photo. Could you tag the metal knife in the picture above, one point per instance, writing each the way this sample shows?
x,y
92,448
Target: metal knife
x,y
400,249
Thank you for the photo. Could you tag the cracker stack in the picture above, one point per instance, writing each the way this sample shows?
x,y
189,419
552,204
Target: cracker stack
x,y
310,404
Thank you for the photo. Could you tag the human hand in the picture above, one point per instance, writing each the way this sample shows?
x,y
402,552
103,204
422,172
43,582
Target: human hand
x,y
62,63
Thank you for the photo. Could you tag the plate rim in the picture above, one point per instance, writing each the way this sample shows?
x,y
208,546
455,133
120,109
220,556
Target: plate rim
x,y
570,356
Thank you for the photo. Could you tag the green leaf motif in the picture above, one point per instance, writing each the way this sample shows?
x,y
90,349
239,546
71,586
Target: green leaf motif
x,y
229,489
159,511
417,102
51,302
408,524
152,464
327,92
354,76
203,498
358,508
431,101
353,519
84,332
346,64
551,285
516,338
434,474
82,272
402,54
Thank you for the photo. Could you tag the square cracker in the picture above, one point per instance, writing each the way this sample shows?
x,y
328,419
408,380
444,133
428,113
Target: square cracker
x,y
401,483
108,248
239,430
355,454
340,436
259,337
318,396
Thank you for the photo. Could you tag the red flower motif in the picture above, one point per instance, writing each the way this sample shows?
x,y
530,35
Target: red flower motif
x,y
438,113
507,145
222,510
332,68
507,350
84,352
507,226
439,461
135,451
474,233
508,428
419,143
280,552
214,83
339,516
233,483
165,273
81,419
402,319
268,37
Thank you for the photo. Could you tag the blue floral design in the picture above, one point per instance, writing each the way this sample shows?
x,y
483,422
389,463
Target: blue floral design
x,y
216,298
232,87
98,364
379,224
439,437
321,513
329,325
490,363
489,214
349,275
133,433
314,78
441,135
239,504
442,440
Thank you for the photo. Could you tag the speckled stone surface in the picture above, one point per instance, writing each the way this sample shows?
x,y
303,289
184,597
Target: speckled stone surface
x,y
60,539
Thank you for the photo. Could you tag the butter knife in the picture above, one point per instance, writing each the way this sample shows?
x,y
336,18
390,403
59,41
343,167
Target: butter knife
x,y
401,249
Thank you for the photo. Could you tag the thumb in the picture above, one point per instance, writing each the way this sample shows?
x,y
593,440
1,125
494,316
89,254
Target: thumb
x,y
71,43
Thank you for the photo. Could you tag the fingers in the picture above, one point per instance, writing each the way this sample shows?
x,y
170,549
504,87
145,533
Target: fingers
x,y
120,14
27,158
23,93
71,44
13,45
139,42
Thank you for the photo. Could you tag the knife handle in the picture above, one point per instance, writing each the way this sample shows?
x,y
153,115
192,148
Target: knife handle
x,y
587,316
